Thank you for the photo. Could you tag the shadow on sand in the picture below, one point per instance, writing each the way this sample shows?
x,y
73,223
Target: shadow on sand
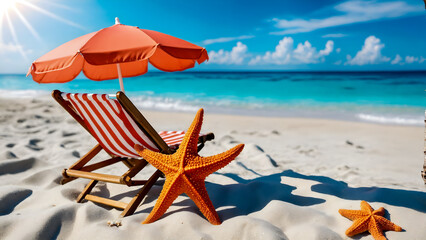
x,y
244,198
252,195
248,196
415,200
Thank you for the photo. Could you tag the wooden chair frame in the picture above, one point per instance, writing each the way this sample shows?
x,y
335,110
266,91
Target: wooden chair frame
x,y
81,170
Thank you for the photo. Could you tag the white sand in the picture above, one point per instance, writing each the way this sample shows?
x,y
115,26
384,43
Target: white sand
x,y
288,183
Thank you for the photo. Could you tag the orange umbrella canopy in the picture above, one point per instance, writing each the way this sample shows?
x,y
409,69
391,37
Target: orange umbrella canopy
x,y
119,49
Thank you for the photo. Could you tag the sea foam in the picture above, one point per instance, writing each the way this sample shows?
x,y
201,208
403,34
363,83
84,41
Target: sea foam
x,y
164,104
391,119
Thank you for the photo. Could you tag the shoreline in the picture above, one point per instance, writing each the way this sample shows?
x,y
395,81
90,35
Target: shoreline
x,y
270,113
295,118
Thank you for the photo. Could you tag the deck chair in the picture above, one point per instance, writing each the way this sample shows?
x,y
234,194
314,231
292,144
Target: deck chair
x,y
117,125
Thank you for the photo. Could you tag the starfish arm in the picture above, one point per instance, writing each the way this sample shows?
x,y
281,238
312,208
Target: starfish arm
x,y
352,214
189,144
360,225
387,225
198,193
366,207
169,193
379,212
213,163
160,161
375,230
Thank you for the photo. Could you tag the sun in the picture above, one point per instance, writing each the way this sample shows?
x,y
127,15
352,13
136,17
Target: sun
x,y
6,4
10,11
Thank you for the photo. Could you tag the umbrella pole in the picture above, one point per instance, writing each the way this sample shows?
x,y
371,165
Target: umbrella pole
x,y
120,77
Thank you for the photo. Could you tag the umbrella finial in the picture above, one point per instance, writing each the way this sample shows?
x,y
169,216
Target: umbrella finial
x,y
117,21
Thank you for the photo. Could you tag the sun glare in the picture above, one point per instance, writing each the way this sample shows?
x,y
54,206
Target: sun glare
x,y
7,4
10,11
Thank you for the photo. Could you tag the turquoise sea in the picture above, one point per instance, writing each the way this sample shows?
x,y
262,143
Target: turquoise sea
x,y
381,97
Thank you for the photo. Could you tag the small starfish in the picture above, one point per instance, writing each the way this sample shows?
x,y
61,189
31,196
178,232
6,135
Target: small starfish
x,y
370,220
186,171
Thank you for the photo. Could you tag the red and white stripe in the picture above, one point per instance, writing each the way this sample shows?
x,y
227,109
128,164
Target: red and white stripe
x,y
172,137
114,129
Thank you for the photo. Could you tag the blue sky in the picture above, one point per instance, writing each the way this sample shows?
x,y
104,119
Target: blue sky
x,y
239,35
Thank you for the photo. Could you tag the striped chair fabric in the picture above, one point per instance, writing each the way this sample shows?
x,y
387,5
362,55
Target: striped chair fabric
x,y
114,129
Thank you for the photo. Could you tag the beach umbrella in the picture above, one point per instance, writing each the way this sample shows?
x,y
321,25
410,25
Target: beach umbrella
x,y
116,52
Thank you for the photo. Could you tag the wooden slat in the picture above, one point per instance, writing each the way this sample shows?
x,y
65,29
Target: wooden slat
x,y
137,182
86,158
135,169
205,138
86,190
94,176
66,180
106,201
89,168
127,163
133,161
131,207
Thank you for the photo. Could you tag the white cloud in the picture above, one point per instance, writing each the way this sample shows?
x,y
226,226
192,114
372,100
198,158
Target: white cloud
x,y
407,60
328,48
281,55
334,35
352,12
396,60
10,47
226,39
338,50
304,53
235,56
411,59
369,54
286,54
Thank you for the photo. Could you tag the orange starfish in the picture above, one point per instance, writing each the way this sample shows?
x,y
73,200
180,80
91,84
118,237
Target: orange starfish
x,y
186,171
370,220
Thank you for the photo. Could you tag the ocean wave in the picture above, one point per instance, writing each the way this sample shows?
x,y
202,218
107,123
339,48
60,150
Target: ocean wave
x,y
391,119
307,109
164,104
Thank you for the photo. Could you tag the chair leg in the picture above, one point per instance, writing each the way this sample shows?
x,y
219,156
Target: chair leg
x,y
86,190
66,180
200,146
134,203
80,163
127,163
87,157
137,167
